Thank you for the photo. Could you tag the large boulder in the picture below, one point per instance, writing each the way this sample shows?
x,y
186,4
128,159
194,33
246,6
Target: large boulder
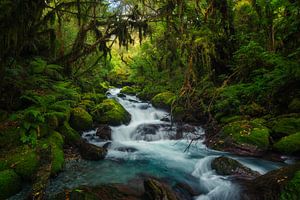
x,y
80,119
228,166
111,112
158,191
10,183
288,144
283,183
24,160
244,137
163,100
104,132
286,125
91,152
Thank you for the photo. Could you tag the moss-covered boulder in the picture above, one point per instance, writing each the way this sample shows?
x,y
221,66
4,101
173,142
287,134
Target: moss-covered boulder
x,y
283,184
70,135
286,125
102,87
158,190
288,144
24,160
80,119
247,132
292,188
10,183
111,112
130,90
56,142
294,106
87,105
228,166
163,100
252,109
95,97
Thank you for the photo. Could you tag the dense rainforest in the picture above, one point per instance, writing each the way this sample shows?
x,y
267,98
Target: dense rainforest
x,y
231,67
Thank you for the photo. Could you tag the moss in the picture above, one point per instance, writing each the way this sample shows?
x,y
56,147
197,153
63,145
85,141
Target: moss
x,y
52,121
294,106
111,112
70,135
80,119
55,140
247,132
288,144
252,109
10,183
23,160
163,100
292,189
286,125
228,119
95,97
102,87
130,90
87,105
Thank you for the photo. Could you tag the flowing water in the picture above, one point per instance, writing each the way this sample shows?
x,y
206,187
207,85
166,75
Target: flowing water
x,y
150,146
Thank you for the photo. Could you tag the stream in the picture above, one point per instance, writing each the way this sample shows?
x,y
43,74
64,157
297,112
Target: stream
x,y
150,146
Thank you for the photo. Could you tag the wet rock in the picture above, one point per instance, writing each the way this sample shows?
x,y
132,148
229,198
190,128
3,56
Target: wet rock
x,y
107,145
165,119
185,192
127,149
104,132
150,129
143,106
103,192
91,152
155,190
228,166
121,95
282,183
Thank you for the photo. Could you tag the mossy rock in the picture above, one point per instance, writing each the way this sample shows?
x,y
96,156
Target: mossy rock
x,y
80,119
111,112
292,188
87,105
286,125
294,106
130,90
163,100
10,183
102,87
289,144
23,160
247,132
95,97
71,136
55,141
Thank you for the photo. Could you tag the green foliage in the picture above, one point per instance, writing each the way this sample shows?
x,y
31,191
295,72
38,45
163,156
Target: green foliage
x,y
70,135
130,90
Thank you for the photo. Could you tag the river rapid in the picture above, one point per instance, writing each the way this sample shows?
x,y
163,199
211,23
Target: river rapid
x,y
151,146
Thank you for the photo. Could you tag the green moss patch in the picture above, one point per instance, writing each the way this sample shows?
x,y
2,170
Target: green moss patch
x,y
80,119
95,97
23,160
163,100
70,135
130,90
286,125
247,132
10,183
288,144
292,189
9,136
111,112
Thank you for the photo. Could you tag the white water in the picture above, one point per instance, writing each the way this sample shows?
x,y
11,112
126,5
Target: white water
x,y
170,155
138,150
